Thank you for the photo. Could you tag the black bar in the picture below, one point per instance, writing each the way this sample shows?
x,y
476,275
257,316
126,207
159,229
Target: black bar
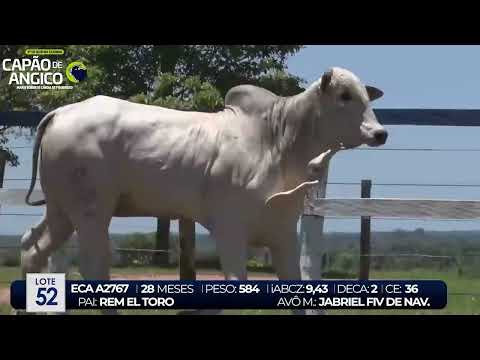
x,y
426,117
429,117
21,118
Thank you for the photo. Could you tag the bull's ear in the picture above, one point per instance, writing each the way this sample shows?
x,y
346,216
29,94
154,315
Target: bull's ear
x,y
326,80
374,93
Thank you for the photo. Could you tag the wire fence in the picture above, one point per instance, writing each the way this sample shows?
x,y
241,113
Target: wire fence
x,y
453,258
325,217
399,255
18,247
349,183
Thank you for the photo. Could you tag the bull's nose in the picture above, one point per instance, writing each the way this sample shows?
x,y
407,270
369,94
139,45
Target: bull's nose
x,y
380,136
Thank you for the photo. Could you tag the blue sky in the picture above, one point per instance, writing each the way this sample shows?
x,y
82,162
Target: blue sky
x,y
411,77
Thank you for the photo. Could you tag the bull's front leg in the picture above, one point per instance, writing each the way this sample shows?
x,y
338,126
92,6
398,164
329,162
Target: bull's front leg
x,y
286,257
231,242
312,252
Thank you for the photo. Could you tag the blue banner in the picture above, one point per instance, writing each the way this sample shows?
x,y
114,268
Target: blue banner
x,y
330,294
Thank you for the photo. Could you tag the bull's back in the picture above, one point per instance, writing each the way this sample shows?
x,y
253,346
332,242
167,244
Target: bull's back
x,y
168,161
151,159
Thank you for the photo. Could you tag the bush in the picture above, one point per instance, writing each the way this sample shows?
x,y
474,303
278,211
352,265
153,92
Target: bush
x,y
208,264
468,266
336,274
136,258
10,259
258,266
347,263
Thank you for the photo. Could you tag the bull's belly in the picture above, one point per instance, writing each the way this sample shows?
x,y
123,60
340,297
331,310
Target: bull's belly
x,y
240,212
187,195
172,201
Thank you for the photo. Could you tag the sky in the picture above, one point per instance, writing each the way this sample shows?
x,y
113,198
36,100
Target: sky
x,y
443,77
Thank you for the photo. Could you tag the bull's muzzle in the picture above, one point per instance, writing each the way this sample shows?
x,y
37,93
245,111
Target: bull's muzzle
x,y
380,137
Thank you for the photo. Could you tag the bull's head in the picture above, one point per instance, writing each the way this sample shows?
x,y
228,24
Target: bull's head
x,y
345,112
343,119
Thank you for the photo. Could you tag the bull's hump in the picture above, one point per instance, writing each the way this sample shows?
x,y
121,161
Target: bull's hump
x,y
103,99
250,99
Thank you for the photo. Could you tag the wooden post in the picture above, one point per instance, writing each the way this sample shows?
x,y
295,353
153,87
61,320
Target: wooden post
x,y
365,235
187,249
3,161
162,242
311,236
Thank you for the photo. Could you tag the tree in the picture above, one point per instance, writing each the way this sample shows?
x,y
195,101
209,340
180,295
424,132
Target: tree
x,y
124,71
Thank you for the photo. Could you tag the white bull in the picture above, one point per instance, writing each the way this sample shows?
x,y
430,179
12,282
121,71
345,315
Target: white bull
x,y
105,157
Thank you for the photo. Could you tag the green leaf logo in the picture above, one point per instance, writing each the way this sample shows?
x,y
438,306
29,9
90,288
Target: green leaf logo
x,y
76,72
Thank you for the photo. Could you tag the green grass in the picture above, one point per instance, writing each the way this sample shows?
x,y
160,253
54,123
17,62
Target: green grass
x,y
8,274
457,304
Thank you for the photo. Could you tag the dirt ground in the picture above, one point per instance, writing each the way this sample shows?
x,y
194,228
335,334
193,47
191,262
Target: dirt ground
x,y
4,296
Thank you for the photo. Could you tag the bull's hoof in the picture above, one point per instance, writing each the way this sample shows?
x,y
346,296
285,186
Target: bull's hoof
x,y
59,313
20,312
298,312
200,312
309,312
312,312
110,312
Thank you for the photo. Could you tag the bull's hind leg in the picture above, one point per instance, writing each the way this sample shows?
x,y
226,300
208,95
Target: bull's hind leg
x,y
32,235
94,254
42,240
94,244
29,238
58,262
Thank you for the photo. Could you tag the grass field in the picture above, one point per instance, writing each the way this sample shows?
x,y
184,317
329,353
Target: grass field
x,y
458,302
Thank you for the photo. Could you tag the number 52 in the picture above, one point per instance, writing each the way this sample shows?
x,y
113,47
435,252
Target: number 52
x,y
42,296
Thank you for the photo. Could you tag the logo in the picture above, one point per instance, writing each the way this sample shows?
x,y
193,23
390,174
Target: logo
x,y
44,52
76,72
37,70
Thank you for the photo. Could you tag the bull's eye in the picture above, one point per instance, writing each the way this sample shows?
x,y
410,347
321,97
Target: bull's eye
x,y
346,96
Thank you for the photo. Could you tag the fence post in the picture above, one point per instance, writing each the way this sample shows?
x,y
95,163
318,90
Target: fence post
x,y
311,236
162,237
3,161
187,249
365,232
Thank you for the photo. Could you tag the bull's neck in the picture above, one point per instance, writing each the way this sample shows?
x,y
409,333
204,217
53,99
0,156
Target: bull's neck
x,y
296,139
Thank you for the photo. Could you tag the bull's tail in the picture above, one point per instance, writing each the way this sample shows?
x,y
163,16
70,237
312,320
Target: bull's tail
x,y
36,150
